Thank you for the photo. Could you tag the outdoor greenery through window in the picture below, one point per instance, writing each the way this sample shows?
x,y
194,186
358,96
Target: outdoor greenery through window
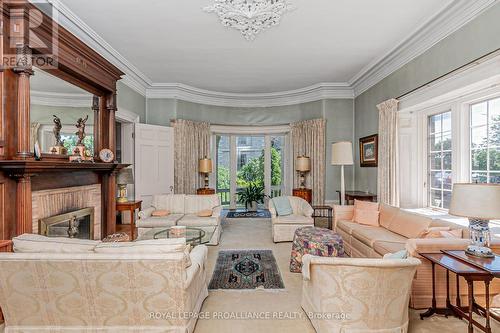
x,y
440,160
485,141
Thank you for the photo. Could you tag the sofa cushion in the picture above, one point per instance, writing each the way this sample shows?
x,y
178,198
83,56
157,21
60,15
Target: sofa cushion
x,y
205,213
195,203
160,213
369,235
366,217
282,206
158,222
403,254
192,220
387,213
293,219
382,247
409,225
172,202
346,226
33,243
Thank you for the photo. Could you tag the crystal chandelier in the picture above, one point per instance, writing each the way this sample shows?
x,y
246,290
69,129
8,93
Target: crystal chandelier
x,y
250,17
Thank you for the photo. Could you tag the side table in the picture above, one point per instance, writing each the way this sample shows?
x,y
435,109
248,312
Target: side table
x,y
304,193
323,212
357,195
130,206
205,191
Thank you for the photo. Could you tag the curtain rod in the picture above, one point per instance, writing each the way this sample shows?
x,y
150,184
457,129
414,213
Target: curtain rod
x,y
480,59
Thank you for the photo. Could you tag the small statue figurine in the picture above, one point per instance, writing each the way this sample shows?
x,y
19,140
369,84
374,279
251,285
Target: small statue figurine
x,y
80,125
57,131
73,227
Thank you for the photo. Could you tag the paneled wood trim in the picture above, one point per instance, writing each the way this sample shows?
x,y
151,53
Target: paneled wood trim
x,y
23,205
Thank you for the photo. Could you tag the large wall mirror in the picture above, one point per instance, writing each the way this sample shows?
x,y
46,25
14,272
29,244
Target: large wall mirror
x,y
59,109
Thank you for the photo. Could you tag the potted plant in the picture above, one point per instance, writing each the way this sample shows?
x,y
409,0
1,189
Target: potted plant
x,y
251,196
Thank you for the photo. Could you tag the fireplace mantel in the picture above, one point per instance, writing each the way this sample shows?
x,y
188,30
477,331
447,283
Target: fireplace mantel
x,y
16,168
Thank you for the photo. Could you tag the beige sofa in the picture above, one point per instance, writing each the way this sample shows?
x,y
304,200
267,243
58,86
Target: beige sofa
x,y
372,293
183,212
284,226
106,292
401,230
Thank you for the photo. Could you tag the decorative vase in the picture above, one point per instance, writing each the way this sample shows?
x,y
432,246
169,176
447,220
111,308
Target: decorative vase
x,y
252,207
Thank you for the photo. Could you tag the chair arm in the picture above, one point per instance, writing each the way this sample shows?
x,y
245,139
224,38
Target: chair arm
x,y
272,210
216,211
435,245
143,214
307,210
198,258
342,213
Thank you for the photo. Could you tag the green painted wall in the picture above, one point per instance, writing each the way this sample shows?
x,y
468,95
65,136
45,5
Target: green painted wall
x,y
479,37
338,113
131,100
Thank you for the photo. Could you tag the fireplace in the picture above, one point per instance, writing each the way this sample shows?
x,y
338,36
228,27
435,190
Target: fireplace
x,y
76,224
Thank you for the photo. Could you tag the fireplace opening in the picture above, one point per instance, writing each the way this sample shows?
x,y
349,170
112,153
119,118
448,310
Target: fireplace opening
x,y
76,224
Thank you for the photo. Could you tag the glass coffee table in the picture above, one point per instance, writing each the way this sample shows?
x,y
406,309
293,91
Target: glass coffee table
x,y
194,236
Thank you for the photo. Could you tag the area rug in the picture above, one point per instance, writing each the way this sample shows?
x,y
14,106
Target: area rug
x,y
263,214
246,269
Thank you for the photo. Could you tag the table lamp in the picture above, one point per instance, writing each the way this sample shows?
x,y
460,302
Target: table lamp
x,y
480,203
342,155
205,167
125,177
303,166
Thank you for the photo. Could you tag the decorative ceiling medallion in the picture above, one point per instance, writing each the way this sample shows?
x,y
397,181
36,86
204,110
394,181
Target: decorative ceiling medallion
x,y
250,17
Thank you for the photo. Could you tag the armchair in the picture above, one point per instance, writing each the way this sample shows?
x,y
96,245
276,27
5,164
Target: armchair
x,y
364,295
284,226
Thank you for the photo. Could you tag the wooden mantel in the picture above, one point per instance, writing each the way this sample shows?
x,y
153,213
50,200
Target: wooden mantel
x,y
76,63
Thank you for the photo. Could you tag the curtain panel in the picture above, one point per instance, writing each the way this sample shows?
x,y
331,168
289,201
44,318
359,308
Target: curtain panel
x,y
308,138
388,159
192,142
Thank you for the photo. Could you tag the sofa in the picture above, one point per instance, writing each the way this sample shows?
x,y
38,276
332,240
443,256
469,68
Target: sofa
x,y
283,227
401,230
108,287
373,294
184,211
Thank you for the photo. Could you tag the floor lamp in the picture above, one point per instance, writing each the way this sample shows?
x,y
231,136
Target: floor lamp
x,y
342,155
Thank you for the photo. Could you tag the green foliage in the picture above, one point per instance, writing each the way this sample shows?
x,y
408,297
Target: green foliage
x,y
251,193
223,177
71,140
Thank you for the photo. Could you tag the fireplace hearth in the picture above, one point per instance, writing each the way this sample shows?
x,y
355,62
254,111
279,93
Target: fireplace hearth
x,y
76,224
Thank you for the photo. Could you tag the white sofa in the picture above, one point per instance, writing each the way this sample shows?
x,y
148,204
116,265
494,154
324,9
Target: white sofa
x,y
87,291
284,226
360,295
183,212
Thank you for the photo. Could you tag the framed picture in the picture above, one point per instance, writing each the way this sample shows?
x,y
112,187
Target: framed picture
x,y
368,151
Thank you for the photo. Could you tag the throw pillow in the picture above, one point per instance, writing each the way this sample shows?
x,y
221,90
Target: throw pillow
x,y
434,232
366,213
205,213
160,213
403,254
283,206
33,243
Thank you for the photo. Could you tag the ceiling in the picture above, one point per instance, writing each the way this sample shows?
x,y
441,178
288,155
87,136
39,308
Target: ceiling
x,y
175,41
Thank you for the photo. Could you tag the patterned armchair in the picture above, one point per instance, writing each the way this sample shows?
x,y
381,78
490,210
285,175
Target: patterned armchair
x,y
357,295
284,226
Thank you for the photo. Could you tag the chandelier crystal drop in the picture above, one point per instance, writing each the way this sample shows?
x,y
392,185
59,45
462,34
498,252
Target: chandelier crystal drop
x,y
250,17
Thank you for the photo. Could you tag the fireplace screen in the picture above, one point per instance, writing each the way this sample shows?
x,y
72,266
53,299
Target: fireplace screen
x,y
77,224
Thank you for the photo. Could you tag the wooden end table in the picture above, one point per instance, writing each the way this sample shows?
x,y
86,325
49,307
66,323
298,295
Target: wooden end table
x,y
129,206
323,212
470,273
357,195
304,193
205,191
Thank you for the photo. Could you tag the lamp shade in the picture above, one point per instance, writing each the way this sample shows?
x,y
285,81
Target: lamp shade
x,y
205,165
125,176
303,164
479,201
342,153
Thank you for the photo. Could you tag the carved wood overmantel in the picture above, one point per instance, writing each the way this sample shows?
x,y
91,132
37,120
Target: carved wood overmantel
x,y
55,50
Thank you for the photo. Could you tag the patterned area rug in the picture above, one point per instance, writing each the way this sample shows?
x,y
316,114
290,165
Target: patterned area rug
x,y
246,269
263,214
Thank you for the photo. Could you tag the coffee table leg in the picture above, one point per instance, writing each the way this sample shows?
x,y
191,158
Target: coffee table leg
x,y
459,302
487,289
448,302
432,309
471,305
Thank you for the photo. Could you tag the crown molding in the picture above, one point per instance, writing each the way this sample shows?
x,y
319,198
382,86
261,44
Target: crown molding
x,y
448,20
308,94
60,99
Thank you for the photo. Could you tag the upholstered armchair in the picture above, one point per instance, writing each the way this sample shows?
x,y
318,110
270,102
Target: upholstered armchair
x,y
284,226
357,295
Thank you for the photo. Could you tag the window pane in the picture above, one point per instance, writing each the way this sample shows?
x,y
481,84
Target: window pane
x,y
479,177
495,159
447,161
479,159
446,199
435,199
435,142
436,179
479,137
447,141
495,178
447,181
435,160
494,110
479,114
435,124
446,122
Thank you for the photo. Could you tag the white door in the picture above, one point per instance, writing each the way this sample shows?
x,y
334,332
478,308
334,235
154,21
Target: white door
x,y
154,162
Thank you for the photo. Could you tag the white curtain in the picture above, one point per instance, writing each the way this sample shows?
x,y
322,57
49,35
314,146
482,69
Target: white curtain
x,y
388,159
192,142
308,138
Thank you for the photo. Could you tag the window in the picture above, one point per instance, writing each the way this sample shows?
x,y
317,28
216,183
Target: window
x,y
485,141
440,160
